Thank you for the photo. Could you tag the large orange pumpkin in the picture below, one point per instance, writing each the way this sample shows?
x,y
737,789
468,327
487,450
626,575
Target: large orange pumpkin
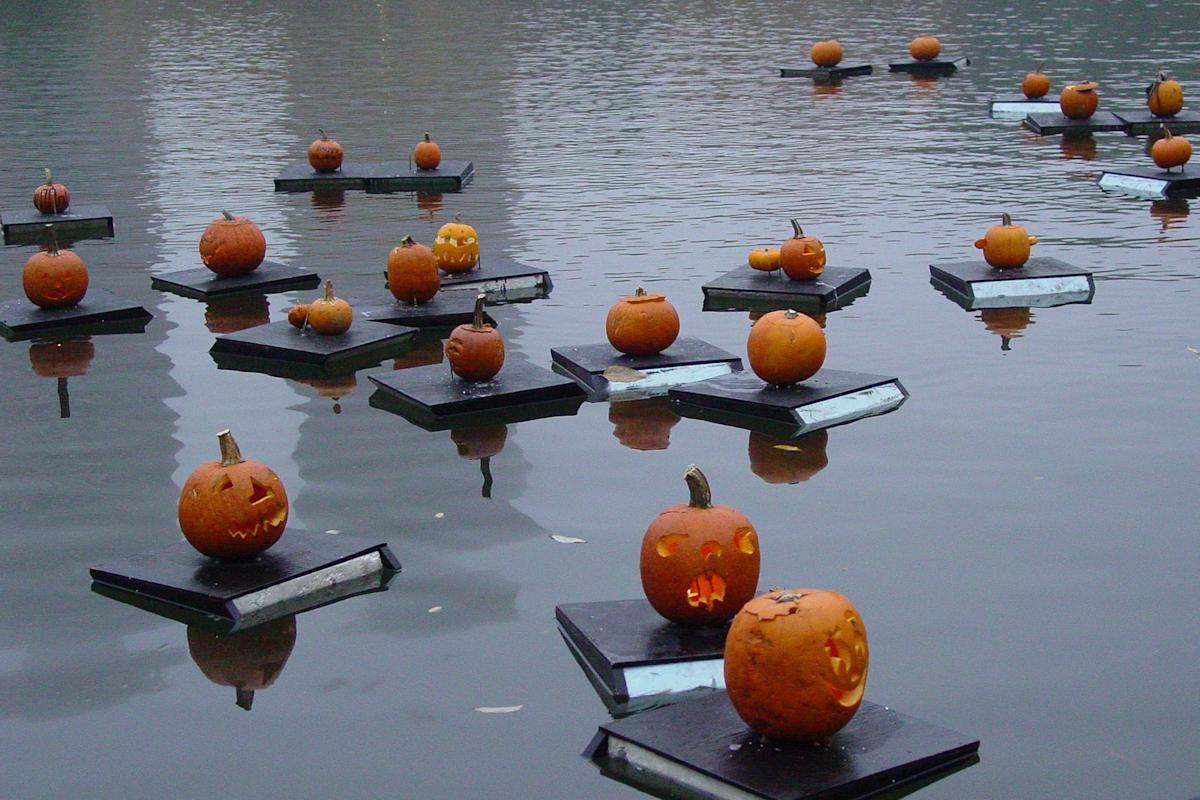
x,y
232,245
1079,100
324,154
456,247
51,197
248,660
827,53
1170,150
1035,85
412,272
427,154
785,347
234,508
475,351
802,257
643,424
796,663
1164,97
1006,246
782,461
699,562
642,324
54,278
925,48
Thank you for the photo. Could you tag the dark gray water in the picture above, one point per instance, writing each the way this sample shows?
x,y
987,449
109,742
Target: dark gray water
x,y
1016,537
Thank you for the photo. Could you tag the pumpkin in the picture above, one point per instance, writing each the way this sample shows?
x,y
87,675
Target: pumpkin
x,y
1035,85
330,316
782,461
427,155
51,197
1006,246
324,154
925,48
412,272
1079,100
475,351
796,663
802,257
456,247
232,245
1164,96
54,278
827,53
1007,323
248,660
62,358
1170,151
699,562
480,442
642,324
785,347
643,424
764,259
232,509
298,315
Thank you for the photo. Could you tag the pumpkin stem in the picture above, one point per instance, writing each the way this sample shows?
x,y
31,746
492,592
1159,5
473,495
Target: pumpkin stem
x,y
640,292
796,227
701,493
322,132
51,240
49,180
329,291
790,314
230,454
227,215
477,320
787,597
1005,219
427,136
407,241
1166,132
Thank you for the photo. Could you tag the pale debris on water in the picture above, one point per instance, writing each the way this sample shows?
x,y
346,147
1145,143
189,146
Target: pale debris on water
x,y
435,609
333,531
439,515
619,374
498,709
1193,350
558,537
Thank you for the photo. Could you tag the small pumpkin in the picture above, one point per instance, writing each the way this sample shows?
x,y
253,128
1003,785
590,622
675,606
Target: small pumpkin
x,y
412,272
1006,246
324,154
643,424
1079,100
699,562
802,257
456,247
764,259
1165,96
784,461
232,509
1170,150
54,278
298,315
827,53
796,663
330,316
475,351
642,324
427,154
785,347
1035,85
51,197
925,48
232,246
247,660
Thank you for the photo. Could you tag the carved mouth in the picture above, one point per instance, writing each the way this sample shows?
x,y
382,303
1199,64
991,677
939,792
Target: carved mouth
x,y
706,590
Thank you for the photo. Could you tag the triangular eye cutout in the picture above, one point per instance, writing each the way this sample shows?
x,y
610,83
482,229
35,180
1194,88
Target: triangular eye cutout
x,y
259,493
222,483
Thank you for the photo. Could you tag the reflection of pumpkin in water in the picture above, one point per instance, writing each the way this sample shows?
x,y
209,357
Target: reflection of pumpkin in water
x,y
826,88
1170,212
329,201
233,314
480,444
248,660
336,388
1082,147
643,424
62,359
1007,323
424,351
784,461
430,203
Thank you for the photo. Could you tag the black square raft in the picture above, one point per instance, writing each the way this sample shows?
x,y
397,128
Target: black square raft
x,y
98,311
1140,122
827,74
502,280
746,289
27,226
202,283
831,397
704,747
300,571
376,176
443,310
985,286
603,370
1051,123
1152,181
946,65
366,343
635,659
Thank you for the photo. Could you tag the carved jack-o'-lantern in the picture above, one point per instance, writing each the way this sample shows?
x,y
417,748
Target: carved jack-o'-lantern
x,y
247,660
802,257
456,247
784,461
699,562
796,663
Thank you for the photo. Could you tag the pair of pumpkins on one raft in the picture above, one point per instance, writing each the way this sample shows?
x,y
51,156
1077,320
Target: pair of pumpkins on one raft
x,y
414,270
828,52
325,154
795,660
1077,100
328,316
802,258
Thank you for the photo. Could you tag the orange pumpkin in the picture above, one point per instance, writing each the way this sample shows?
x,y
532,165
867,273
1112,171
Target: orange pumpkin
x,y
232,509
785,347
764,259
925,48
796,663
642,324
298,315
324,154
475,351
1170,151
643,424
699,562
1165,96
248,660
827,53
1006,246
456,247
782,461
1079,100
330,316
54,278
427,155
412,272
802,257
51,197
1035,85
232,246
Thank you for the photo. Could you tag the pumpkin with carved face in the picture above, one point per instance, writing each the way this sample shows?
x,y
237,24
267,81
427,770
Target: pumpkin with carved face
x,y
802,257
456,247
796,663
699,562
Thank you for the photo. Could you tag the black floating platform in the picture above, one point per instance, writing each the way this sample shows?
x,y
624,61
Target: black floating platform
x,y
443,310
1053,122
946,65
366,343
1016,106
98,311
202,283
300,571
602,370
829,398
27,226
376,176
1152,181
985,286
1140,122
746,289
827,74
634,658
704,748
502,280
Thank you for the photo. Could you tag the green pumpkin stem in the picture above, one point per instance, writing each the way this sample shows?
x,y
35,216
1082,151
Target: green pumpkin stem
x,y
796,227
51,240
701,493
477,320
230,454
227,215
1005,219
49,179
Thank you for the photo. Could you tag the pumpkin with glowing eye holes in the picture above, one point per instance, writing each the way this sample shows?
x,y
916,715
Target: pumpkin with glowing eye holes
x,y
248,660
802,257
796,663
699,562
456,247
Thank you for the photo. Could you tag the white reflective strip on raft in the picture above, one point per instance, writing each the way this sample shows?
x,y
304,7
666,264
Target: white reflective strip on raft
x,y
849,407
1017,292
677,676
305,586
502,285
674,772
1019,110
666,377
1132,184
1036,301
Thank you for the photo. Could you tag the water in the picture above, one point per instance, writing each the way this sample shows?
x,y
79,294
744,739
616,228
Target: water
x,y
1019,537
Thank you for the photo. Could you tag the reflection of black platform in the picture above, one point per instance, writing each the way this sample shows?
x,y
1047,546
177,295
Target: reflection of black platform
x,y
27,226
945,65
1140,122
831,397
704,746
443,310
298,572
202,283
978,282
746,289
1051,123
1016,106
1152,181
502,280
364,344
684,361
826,74
97,311
376,176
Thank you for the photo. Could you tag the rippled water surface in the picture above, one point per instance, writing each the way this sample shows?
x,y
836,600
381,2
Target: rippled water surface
x,y
1019,537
